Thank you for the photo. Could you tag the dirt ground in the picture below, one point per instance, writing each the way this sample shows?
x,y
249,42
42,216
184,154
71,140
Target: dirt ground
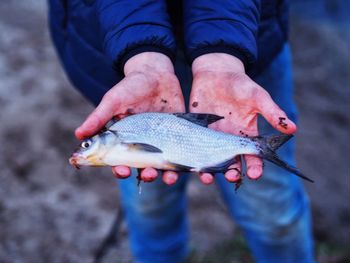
x,y
51,213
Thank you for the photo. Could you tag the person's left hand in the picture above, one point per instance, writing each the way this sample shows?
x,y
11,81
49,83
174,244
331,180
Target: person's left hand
x,y
220,86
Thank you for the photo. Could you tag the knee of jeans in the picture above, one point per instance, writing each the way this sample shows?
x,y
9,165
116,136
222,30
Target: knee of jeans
x,y
275,213
285,226
276,230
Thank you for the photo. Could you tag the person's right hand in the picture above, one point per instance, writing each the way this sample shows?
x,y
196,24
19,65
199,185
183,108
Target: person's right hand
x,y
150,85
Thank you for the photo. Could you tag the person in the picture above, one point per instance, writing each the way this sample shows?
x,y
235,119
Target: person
x,y
122,56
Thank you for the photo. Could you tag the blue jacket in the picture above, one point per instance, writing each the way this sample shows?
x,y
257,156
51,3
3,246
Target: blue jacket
x,y
94,38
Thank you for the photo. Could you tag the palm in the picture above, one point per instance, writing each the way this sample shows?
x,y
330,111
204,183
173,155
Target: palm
x,y
239,100
134,94
224,100
163,95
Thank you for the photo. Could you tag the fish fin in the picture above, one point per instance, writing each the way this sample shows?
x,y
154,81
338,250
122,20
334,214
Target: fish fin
x,y
272,157
144,147
268,146
219,168
179,167
202,119
109,124
273,141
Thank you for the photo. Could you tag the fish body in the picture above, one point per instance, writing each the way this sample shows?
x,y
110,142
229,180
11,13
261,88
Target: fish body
x,y
179,142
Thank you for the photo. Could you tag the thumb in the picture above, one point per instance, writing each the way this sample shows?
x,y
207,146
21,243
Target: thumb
x,y
274,114
103,113
128,92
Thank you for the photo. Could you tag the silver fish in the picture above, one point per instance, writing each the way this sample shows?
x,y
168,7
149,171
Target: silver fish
x,y
178,142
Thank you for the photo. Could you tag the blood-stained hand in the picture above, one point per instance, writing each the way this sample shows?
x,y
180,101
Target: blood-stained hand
x,y
220,86
150,85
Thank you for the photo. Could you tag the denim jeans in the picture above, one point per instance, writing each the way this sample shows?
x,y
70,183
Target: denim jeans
x,y
272,212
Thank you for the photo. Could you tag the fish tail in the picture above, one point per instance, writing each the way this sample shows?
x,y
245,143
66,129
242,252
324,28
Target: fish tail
x,y
268,146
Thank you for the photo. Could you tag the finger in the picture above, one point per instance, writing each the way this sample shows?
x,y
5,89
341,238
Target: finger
x,y
234,173
254,166
170,177
103,113
149,174
206,178
121,171
273,114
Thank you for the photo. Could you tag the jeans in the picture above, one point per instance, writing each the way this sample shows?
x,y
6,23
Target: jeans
x,y
272,212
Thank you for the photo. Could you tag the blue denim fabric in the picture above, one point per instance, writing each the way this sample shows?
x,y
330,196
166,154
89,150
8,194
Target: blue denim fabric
x,y
273,212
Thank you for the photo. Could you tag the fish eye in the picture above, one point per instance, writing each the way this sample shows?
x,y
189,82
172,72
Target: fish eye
x,y
85,144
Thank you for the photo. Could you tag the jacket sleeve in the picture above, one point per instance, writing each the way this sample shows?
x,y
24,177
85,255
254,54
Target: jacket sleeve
x,y
131,27
226,26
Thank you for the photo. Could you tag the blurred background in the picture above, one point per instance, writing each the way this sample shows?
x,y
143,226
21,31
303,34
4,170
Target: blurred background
x,y
51,213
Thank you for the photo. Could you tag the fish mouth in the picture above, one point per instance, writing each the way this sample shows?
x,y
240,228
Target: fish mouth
x,y
74,160
78,160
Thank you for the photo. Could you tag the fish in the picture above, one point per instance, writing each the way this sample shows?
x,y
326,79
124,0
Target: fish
x,y
180,142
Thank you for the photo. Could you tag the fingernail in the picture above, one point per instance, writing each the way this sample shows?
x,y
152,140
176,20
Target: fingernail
x,y
254,172
207,178
232,176
124,172
121,172
116,174
148,175
170,178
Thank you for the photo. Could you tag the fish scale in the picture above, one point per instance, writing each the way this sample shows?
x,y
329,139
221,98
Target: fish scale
x,y
181,141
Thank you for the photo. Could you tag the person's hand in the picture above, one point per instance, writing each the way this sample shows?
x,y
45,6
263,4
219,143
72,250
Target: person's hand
x,y
220,86
150,85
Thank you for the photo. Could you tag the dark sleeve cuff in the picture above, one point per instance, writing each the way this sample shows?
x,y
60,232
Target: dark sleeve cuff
x,y
222,48
131,27
224,26
140,48
139,38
